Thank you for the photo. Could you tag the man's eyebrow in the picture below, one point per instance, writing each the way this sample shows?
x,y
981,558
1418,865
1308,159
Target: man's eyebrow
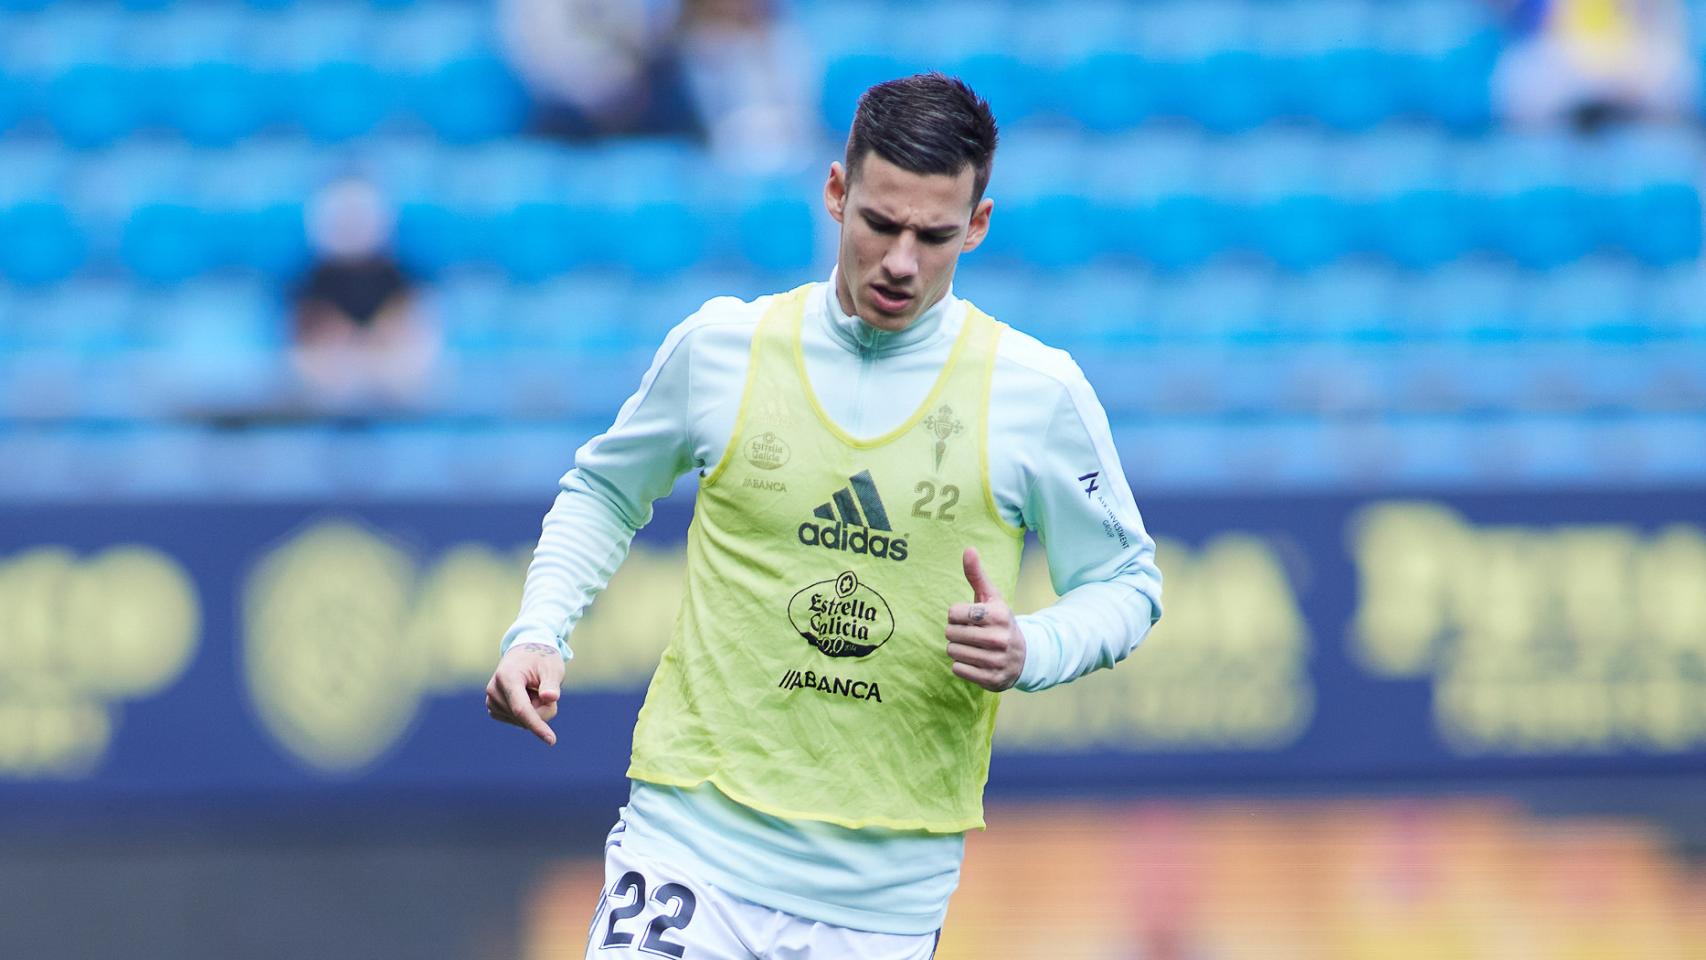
x,y
882,221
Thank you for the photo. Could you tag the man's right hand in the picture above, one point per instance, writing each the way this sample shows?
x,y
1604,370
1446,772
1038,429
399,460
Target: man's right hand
x,y
525,687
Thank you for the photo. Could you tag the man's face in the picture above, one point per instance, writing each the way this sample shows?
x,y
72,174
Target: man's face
x,y
902,234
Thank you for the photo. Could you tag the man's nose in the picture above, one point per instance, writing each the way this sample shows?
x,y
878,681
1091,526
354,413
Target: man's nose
x,y
901,261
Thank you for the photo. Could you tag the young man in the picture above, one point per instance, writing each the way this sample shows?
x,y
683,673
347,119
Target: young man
x,y
815,742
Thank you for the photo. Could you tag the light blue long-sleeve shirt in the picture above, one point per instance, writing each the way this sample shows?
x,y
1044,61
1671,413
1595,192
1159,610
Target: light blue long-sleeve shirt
x,y
1052,469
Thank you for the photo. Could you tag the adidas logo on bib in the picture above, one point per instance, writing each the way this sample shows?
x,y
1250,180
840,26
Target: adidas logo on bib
x,y
857,522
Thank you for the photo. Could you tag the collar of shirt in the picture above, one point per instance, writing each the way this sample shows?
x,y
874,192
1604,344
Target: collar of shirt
x,y
862,338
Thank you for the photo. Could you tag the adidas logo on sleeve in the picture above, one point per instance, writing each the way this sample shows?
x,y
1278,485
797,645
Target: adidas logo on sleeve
x,y
858,522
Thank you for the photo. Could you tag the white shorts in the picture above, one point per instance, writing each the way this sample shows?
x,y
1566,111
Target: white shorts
x,y
649,910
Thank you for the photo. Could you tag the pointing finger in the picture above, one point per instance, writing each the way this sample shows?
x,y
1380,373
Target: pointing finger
x,y
522,710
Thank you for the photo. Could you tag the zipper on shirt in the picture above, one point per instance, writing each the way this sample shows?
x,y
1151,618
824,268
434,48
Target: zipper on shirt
x,y
867,359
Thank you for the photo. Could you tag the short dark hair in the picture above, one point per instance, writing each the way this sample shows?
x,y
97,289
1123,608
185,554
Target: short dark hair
x,y
928,123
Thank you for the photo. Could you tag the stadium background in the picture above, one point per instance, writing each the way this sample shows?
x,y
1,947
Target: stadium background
x,y
1408,379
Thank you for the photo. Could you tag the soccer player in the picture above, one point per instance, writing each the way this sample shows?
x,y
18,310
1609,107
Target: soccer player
x,y
870,450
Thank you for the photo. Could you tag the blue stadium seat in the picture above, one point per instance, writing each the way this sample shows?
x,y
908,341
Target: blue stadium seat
x,y
432,237
168,242
1444,53
44,242
1290,214
1470,299
1597,298
777,223
1088,66
1347,303
1043,218
657,194
340,100
214,317
582,313
92,104
254,196
217,103
1327,63
1654,207
16,101
470,99
1004,293
1349,89
1218,304
472,309
539,239
1108,90
1673,302
1093,310
1536,207
1400,200
1229,91
86,316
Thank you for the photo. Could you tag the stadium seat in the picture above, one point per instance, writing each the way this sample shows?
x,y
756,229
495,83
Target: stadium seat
x,y
472,308
92,104
1346,304
44,243
656,192
1597,299
777,224
1215,305
1349,89
15,99
1673,303
579,314
168,242
1108,90
1654,208
1533,205
1095,310
1288,211
81,316
1471,299
470,99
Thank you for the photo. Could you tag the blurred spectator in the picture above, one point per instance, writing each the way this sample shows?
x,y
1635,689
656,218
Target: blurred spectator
x,y
747,72
361,336
598,67
1589,62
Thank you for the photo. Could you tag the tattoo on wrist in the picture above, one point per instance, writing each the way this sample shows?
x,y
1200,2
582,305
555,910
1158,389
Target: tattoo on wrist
x,y
543,649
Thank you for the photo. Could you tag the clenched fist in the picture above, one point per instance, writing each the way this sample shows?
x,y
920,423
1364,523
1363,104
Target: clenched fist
x,y
984,640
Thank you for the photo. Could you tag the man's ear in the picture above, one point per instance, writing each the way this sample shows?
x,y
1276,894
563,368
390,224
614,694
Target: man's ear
x,y
835,191
979,226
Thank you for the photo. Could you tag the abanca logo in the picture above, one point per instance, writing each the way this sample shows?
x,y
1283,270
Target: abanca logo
x,y
851,530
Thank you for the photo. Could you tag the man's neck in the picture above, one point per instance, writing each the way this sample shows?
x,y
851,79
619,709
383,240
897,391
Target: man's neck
x,y
861,336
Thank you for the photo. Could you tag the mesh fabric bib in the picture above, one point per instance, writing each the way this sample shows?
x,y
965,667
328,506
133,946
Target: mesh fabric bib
x,y
808,675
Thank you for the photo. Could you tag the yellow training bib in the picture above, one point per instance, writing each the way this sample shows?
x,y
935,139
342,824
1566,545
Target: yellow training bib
x,y
808,676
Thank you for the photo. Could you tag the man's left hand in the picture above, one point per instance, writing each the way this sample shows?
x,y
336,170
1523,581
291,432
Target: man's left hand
x,y
984,641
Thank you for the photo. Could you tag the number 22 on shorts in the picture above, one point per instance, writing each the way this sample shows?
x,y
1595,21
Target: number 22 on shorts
x,y
630,891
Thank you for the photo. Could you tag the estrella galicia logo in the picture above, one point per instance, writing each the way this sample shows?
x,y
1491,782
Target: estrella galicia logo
x,y
841,617
866,533
767,451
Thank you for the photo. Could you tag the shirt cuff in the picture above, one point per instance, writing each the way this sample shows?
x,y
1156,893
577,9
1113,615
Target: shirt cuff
x,y
1042,655
533,633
